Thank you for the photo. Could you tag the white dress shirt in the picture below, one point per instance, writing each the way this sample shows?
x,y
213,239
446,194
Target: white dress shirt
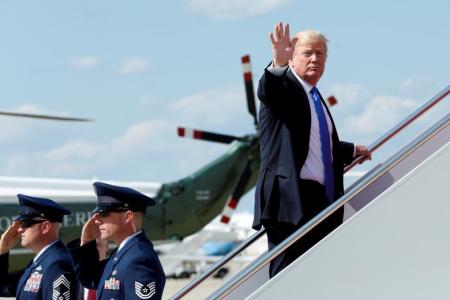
x,y
313,168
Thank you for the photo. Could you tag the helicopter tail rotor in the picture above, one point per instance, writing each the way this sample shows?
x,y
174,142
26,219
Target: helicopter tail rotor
x,y
246,174
224,138
233,200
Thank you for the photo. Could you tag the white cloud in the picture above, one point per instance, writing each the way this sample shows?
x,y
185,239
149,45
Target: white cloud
x,y
213,106
233,9
38,164
29,108
408,83
14,128
136,138
153,142
381,113
134,65
421,88
84,158
84,62
348,94
74,150
139,135
71,159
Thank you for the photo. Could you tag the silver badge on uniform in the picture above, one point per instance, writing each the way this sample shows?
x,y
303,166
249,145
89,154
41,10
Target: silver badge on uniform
x,y
144,291
61,288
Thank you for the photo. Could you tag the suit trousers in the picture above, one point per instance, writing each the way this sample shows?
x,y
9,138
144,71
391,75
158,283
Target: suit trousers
x,y
313,202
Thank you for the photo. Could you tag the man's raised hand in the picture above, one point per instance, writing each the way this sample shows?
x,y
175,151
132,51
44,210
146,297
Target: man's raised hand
x,y
90,231
282,45
9,238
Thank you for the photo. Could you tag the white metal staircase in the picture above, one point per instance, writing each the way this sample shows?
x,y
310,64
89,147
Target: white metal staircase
x,y
426,157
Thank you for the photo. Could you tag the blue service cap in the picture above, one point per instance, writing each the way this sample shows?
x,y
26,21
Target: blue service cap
x,y
31,207
111,197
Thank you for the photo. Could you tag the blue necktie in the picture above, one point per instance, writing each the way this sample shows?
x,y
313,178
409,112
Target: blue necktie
x,y
325,145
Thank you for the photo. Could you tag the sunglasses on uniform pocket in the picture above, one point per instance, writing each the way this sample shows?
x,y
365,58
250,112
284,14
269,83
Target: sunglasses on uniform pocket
x,y
29,223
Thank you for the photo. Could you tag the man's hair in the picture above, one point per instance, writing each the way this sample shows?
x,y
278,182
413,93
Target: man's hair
x,y
57,225
138,218
310,35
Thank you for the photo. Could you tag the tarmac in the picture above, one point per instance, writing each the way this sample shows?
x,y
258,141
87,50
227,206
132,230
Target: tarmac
x,y
205,288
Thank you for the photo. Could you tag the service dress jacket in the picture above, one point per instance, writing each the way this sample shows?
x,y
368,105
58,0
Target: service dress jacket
x,y
133,272
51,276
285,124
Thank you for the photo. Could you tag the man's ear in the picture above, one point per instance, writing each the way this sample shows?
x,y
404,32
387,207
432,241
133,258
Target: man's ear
x,y
129,215
46,226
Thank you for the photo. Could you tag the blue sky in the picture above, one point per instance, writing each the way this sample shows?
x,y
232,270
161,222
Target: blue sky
x,y
141,68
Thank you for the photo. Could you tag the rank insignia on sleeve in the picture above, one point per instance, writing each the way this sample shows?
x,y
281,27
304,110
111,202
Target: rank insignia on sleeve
x,y
144,291
61,288
33,282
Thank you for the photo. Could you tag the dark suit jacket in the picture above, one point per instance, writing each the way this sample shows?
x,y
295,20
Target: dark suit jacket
x,y
134,272
285,124
51,276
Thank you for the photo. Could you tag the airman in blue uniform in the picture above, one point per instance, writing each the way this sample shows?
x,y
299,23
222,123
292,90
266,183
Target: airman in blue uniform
x,y
51,274
133,270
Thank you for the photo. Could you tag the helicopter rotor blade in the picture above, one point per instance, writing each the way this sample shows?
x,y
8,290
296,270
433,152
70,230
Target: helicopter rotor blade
x,y
206,135
233,201
247,70
45,117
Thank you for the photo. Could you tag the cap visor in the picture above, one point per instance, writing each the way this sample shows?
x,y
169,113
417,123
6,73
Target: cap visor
x,y
21,218
100,209
97,210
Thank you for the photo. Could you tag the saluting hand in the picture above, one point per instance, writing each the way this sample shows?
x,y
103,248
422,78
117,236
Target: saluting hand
x,y
90,231
282,45
9,238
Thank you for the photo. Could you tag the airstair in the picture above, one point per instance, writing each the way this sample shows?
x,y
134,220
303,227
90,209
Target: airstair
x,y
393,244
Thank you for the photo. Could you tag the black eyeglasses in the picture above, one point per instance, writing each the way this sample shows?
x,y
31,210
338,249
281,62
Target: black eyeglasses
x,y
105,214
29,223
